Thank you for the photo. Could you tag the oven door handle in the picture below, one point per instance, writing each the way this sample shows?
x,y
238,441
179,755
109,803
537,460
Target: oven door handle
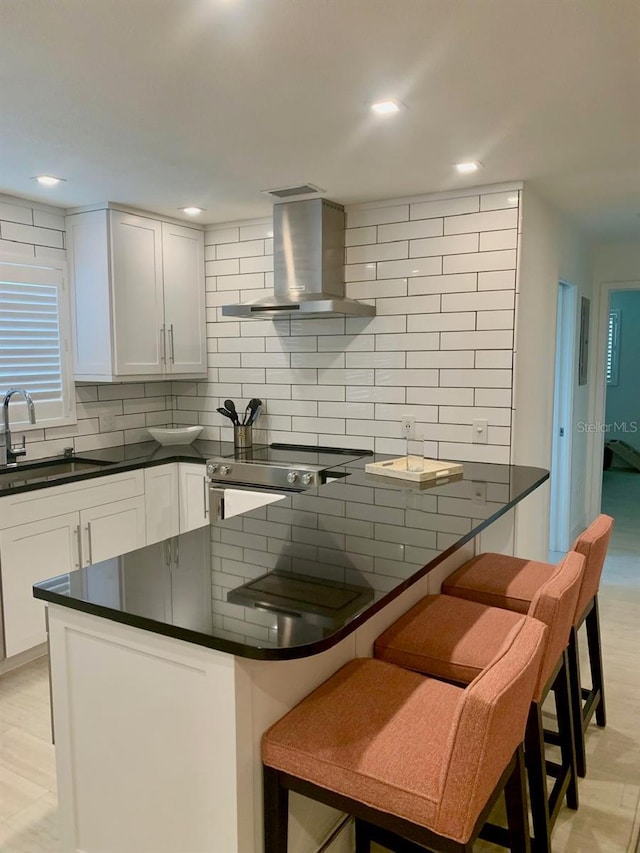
x,y
216,504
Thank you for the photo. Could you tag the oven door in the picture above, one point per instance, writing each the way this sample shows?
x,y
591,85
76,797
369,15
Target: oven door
x,y
225,502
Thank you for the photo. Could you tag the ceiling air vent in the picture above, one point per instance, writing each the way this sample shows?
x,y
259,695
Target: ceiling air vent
x,y
289,192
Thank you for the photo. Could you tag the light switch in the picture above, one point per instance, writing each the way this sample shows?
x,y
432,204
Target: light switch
x,y
480,429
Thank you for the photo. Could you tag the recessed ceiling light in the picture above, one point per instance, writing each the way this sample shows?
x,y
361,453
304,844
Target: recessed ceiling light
x,y
385,107
468,167
192,211
48,180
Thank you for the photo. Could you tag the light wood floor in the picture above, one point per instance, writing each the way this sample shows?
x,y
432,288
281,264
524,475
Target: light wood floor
x,y
609,816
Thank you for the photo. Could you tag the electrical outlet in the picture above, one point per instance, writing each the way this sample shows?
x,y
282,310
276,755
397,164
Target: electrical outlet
x,y
408,426
480,429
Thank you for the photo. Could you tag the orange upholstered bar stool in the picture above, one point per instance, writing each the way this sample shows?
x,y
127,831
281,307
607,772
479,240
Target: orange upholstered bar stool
x,y
415,760
511,582
453,639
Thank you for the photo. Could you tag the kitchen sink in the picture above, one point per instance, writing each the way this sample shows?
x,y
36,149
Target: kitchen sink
x,y
34,472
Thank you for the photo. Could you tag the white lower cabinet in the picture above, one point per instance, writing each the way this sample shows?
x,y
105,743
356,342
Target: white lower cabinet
x,y
111,530
194,497
29,553
56,530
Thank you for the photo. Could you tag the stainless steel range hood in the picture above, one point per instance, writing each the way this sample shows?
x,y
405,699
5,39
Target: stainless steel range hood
x,y
308,258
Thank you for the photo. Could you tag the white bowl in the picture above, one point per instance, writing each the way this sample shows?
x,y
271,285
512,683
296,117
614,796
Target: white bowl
x,y
177,435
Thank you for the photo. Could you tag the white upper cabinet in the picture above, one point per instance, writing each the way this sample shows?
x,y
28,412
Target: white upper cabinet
x,y
139,297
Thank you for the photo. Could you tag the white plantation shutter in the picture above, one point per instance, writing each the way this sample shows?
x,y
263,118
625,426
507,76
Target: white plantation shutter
x,y
613,346
34,344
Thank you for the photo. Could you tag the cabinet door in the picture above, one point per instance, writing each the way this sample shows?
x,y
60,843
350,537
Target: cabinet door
x,y
161,501
194,499
30,553
112,529
136,258
184,300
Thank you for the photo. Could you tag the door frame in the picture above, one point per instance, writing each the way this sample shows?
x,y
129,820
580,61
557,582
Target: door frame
x,y
563,407
595,453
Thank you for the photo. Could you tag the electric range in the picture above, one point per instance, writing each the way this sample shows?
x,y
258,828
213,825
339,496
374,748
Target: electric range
x,y
291,467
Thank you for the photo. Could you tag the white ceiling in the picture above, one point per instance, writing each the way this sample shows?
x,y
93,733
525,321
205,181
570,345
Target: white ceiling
x,y
165,103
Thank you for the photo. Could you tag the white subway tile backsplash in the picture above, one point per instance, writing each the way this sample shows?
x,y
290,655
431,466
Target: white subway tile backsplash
x,y
346,343
301,376
331,425
221,235
467,414
229,267
304,343
16,213
244,282
409,341
361,236
258,231
380,358
394,412
377,252
441,322
409,305
491,240
501,339
45,219
475,378
266,359
408,378
324,326
317,392
359,272
480,262
497,280
357,218
308,408
240,250
410,230
349,376
318,359
376,289
242,344
486,300
373,394
363,411
495,358
260,263
18,250
376,325
445,207
495,320
495,201
440,396
438,358
409,268
443,245
499,397
462,283
493,220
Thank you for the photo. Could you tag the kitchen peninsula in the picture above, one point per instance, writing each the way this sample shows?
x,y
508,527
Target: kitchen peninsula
x,y
169,662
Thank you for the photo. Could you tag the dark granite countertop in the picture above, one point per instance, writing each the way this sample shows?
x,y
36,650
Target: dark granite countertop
x,y
110,460
293,578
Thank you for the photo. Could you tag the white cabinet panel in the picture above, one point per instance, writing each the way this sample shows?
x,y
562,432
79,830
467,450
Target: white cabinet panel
x,y
161,502
194,499
184,298
136,257
111,530
31,553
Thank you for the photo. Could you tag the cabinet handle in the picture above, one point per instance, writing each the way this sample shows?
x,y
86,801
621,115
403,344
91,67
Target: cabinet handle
x,y
205,484
79,537
163,345
89,539
172,353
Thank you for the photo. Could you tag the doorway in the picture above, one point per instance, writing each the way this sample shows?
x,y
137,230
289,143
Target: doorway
x,y
563,391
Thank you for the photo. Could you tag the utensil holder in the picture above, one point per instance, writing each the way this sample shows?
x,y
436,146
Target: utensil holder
x,y
242,437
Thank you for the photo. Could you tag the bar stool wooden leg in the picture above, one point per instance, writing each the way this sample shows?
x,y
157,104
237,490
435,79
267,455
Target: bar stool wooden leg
x,y
534,755
562,693
276,812
595,661
576,703
516,800
363,838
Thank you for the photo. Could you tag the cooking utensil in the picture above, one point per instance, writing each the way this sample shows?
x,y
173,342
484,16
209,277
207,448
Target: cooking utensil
x,y
227,414
255,414
252,405
231,407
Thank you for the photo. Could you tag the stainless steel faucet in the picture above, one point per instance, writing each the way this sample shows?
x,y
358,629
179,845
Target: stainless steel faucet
x,y
8,453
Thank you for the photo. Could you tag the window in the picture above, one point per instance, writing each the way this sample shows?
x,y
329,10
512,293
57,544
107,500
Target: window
x,y
34,342
613,346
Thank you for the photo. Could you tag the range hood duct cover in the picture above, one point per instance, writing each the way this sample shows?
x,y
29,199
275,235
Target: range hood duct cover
x,y
308,265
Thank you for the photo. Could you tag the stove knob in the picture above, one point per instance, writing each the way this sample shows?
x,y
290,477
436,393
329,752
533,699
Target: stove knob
x,y
292,477
307,479
225,469
211,469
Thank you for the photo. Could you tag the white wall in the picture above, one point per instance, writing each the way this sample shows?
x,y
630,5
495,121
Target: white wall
x,y
440,270
551,250
108,415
